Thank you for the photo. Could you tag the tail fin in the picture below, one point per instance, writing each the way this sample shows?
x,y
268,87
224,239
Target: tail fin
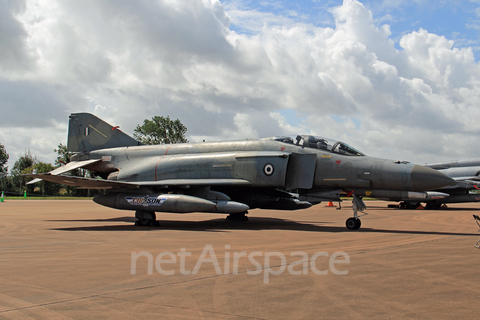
x,y
86,132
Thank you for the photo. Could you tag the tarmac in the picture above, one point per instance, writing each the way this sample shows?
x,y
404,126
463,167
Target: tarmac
x,y
78,260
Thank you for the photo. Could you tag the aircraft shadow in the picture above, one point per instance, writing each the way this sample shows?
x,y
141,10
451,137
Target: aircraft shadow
x,y
448,208
457,209
119,219
221,225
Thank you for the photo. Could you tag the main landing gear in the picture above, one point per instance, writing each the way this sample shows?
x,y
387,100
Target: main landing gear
x,y
145,219
237,217
149,219
409,205
354,222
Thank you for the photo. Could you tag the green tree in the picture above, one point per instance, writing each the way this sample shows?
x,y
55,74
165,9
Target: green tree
x,y
43,187
63,155
4,181
3,160
24,162
160,130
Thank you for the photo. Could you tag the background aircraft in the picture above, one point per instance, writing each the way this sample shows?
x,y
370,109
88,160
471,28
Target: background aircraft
x,y
230,177
467,175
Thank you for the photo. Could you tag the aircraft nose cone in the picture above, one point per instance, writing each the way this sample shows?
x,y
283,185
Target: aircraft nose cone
x,y
424,179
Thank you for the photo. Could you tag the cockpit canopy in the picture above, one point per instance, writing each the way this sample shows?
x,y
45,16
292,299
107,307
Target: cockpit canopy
x,y
315,142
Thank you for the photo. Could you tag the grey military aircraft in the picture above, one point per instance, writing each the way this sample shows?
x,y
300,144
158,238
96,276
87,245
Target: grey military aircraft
x,y
230,177
466,173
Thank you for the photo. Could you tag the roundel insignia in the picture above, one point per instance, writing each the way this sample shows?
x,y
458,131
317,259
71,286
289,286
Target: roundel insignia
x,y
268,169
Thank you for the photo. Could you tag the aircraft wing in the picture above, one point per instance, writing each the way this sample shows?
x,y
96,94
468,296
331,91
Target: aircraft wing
x,y
66,168
89,183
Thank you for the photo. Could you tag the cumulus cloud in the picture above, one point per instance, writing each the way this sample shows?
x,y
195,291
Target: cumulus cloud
x,y
15,56
127,61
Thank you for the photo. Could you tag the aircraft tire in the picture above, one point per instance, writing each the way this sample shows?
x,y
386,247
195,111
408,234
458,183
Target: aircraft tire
x,y
433,205
412,206
144,222
236,217
353,224
145,219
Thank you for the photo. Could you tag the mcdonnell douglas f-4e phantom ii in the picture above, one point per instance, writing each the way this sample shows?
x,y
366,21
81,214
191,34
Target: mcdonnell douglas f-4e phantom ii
x,y
229,177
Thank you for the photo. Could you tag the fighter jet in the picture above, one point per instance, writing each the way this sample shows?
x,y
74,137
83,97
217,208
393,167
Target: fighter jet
x,y
229,177
466,173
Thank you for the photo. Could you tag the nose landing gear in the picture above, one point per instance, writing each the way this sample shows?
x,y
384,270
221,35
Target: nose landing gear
x,y
354,222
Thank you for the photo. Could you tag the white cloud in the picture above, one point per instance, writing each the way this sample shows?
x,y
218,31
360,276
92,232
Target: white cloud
x,y
15,56
128,61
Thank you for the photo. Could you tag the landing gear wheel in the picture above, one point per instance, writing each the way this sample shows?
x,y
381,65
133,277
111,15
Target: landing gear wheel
x,y
353,223
433,205
145,218
144,222
237,217
410,205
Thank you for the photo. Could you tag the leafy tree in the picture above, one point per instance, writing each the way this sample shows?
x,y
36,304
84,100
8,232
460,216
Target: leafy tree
x,y
3,160
24,162
63,155
4,181
160,130
44,187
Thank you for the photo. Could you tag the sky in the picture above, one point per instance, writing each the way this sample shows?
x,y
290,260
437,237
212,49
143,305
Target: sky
x,y
395,79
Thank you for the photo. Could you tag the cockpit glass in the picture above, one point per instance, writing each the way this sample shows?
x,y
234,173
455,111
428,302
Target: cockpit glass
x,y
315,142
345,149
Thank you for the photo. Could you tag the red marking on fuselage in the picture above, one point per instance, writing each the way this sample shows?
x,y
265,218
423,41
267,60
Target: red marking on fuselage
x,y
338,162
282,148
166,151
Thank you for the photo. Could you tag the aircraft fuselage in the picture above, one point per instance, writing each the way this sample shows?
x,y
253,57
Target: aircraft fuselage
x,y
264,163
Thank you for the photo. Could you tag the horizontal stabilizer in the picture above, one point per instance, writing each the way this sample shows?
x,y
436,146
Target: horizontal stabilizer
x,y
66,168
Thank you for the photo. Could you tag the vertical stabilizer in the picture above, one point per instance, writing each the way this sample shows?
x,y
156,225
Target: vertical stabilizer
x,y
86,132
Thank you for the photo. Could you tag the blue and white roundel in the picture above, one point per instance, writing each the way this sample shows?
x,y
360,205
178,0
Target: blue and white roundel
x,y
268,169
